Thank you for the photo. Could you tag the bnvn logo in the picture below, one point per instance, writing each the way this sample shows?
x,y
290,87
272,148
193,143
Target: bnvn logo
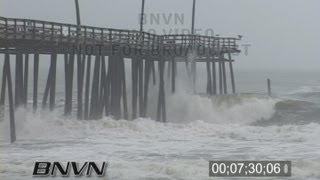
x,y
50,169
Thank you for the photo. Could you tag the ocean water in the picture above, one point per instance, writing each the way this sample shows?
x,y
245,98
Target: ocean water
x,y
246,126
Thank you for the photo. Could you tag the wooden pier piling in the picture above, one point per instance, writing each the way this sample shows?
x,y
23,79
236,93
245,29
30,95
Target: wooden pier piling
x,y
124,89
269,87
233,86
161,110
214,78
6,80
140,85
209,80
153,73
35,81
69,70
102,92
4,85
19,80
51,84
25,80
87,89
80,75
53,81
220,78
107,93
147,75
11,107
134,70
173,74
95,90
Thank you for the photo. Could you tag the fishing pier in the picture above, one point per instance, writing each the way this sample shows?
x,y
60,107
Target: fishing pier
x,y
102,90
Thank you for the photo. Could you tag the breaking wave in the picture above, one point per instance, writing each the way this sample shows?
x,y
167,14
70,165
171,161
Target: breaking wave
x,y
189,115
309,93
199,129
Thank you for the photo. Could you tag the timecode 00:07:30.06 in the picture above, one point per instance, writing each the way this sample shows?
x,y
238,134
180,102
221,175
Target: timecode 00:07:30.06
x,y
250,168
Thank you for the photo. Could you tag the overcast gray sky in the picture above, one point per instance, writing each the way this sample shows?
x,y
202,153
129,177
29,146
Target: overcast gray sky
x,y
284,34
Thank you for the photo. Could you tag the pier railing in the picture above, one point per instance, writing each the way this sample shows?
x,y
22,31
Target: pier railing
x,y
12,28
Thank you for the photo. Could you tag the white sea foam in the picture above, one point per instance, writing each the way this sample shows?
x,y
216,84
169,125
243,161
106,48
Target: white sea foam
x,y
198,114
181,148
239,109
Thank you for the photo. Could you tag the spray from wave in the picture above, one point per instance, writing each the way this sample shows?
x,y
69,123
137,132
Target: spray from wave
x,y
199,129
238,109
189,114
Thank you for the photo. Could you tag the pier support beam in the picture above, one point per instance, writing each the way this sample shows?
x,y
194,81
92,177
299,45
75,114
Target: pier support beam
x,y
147,74
124,89
94,105
80,72
214,78
107,93
87,89
209,81
7,80
140,83
134,70
224,76
194,75
233,86
69,69
173,74
161,109
269,87
153,73
25,80
102,92
35,81
51,83
3,87
116,86
19,81
220,77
